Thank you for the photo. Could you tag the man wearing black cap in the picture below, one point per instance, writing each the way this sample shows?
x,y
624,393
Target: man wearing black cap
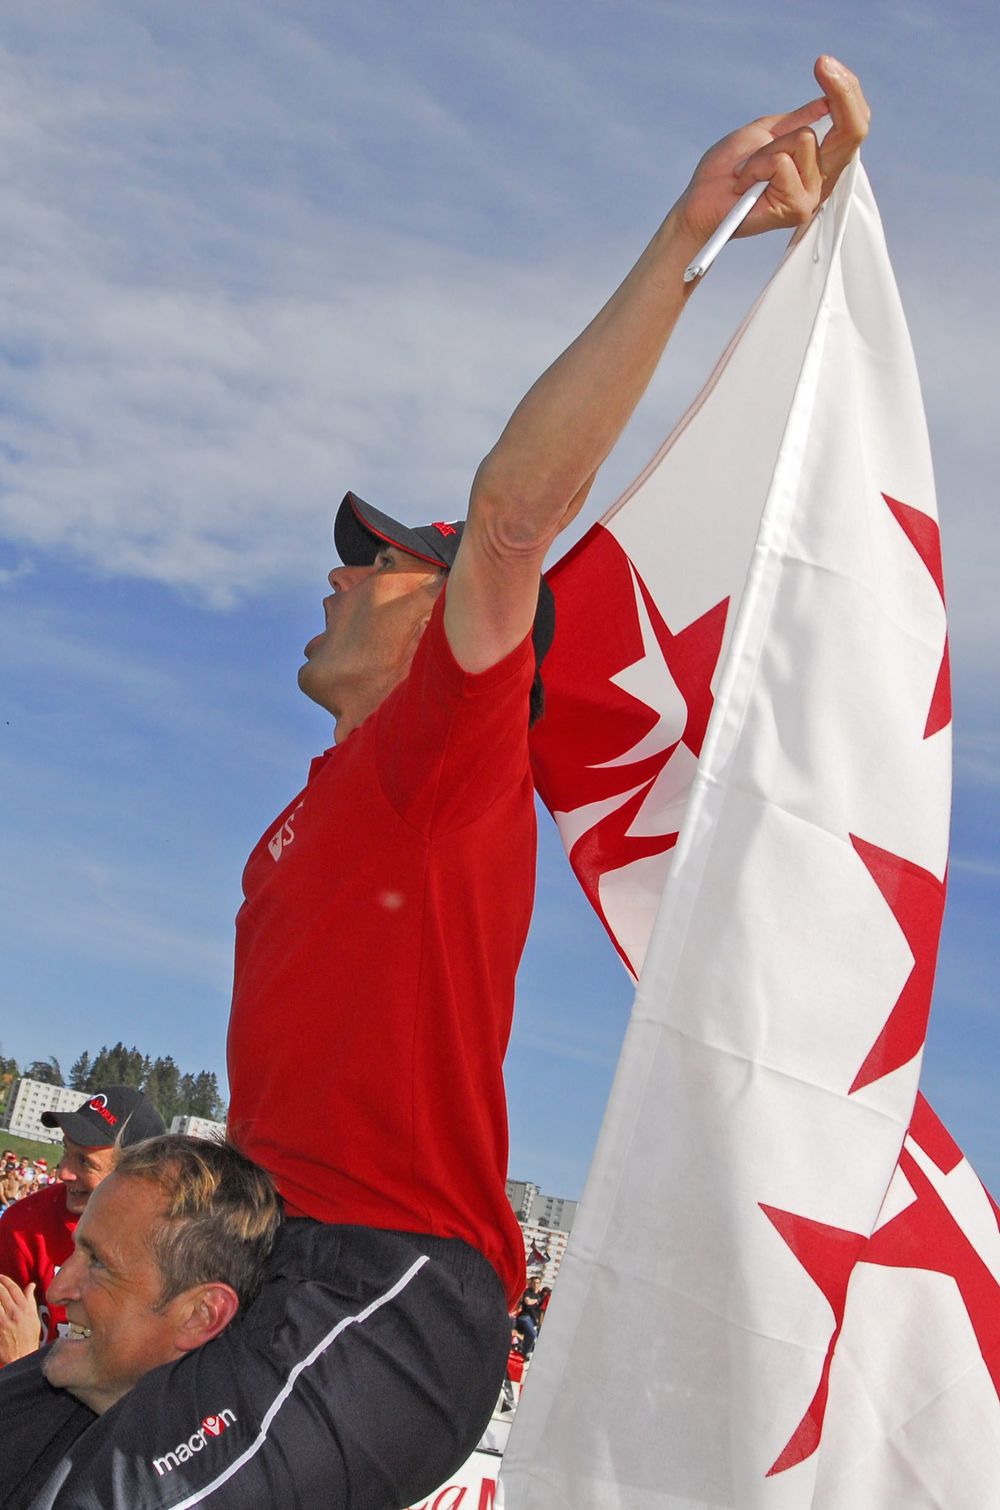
x,y
36,1234
384,915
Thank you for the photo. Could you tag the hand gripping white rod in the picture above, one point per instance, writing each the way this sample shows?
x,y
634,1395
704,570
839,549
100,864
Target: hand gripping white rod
x,y
728,227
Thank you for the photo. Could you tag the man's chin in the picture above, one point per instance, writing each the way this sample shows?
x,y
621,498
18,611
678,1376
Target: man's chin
x,y
61,1370
306,678
56,1366
316,687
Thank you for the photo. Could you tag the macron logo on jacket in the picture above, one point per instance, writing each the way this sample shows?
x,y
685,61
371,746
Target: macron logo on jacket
x,y
212,1426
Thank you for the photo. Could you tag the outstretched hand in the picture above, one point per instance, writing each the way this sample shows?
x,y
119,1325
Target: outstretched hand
x,y
535,479
783,151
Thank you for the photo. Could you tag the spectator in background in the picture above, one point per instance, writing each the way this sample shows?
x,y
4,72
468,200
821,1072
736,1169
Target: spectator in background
x,y
515,1372
36,1236
10,1181
529,1314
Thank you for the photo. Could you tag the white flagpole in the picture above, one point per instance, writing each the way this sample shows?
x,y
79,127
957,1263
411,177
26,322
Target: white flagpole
x,y
713,246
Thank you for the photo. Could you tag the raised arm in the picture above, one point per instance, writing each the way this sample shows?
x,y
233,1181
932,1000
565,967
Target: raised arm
x,y
537,476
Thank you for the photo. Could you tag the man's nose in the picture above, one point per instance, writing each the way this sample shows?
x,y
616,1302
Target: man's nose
x,y
344,577
65,1284
65,1173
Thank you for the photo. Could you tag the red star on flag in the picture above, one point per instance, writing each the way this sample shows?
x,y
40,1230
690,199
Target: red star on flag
x,y
916,900
617,701
691,656
828,1254
924,1235
927,1130
589,719
609,846
924,534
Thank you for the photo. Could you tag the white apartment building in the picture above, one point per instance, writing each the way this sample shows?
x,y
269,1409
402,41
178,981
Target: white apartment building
x,y
521,1193
199,1127
26,1102
531,1205
545,1222
551,1211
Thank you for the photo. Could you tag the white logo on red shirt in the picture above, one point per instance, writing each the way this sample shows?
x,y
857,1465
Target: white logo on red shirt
x,y
283,836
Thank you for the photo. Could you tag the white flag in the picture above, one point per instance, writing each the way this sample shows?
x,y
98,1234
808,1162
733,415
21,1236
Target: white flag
x,y
782,1284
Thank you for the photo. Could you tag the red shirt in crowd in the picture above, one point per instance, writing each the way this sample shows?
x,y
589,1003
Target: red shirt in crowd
x,y
36,1238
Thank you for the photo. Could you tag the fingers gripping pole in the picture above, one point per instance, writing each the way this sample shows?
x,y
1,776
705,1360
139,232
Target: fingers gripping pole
x,y
728,227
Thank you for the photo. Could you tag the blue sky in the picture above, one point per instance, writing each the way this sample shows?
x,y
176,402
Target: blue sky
x,y
254,255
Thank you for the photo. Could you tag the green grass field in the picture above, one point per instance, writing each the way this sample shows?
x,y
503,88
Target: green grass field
x,y
29,1149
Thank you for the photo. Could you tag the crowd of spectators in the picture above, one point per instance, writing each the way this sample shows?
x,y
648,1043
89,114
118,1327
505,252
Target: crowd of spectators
x,y
20,1176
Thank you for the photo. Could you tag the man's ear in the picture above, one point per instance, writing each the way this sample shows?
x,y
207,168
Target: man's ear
x,y
423,619
207,1310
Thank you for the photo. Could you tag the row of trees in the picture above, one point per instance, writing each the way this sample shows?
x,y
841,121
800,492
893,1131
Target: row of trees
x,y
172,1093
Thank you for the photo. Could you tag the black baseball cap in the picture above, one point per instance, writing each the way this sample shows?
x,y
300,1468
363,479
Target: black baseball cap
x,y
360,530
116,1114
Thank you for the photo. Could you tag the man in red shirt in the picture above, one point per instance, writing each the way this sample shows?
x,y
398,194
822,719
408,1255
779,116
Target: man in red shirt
x,y
36,1233
385,910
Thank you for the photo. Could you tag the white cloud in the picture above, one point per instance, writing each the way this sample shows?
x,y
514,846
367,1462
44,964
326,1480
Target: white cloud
x,y
198,440
252,260
194,422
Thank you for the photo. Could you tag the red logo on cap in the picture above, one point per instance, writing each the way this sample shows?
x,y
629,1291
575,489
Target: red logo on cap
x,y
446,529
99,1104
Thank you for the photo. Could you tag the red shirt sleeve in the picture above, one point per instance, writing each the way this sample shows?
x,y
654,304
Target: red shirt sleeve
x,y
451,743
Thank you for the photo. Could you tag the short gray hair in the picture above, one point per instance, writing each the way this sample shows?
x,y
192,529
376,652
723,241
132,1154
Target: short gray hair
x,y
222,1212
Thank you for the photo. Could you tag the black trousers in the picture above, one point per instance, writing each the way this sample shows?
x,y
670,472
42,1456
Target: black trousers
x,y
361,1377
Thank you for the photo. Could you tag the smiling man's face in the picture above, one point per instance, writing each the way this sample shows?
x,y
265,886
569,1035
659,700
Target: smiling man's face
x,y
81,1170
111,1288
